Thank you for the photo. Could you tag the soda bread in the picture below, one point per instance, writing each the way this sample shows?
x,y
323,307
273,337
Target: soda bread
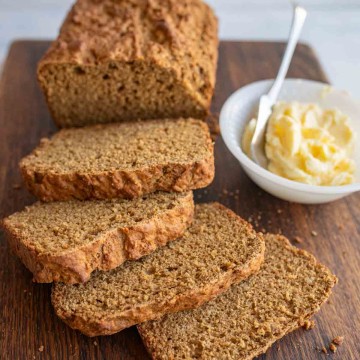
x,y
219,249
134,59
66,241
124,160
245,321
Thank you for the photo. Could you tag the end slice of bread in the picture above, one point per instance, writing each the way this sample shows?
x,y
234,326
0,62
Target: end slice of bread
x,y
219,249
245,321
125,60
66,241
124,160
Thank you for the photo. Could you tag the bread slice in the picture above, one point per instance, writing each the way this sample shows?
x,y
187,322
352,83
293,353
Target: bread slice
x,y
121,160
66,241
217,250
245,321
129,60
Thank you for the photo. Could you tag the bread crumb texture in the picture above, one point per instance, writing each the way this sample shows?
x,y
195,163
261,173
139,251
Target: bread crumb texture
x,y
131,59
217,250
121,160
245,321
66,241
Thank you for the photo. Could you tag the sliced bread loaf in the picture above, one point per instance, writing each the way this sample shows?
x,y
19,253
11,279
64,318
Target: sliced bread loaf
x,y
121,160
128,60
219,249
66,241
245,321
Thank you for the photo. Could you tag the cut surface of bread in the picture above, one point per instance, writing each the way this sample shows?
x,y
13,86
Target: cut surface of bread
x,y
124,160
128,60
245,321
219,249
66,241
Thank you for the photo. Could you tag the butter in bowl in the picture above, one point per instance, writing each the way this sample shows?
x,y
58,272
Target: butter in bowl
x,y
310,140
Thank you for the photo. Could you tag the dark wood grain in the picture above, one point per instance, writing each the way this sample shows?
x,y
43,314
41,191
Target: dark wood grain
x,y
27,320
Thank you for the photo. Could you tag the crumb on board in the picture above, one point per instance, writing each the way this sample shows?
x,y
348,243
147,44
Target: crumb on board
x,y
41,348
16,186
338,340
279,211
308,324
332,347
230,194
95,343
298,240
314,233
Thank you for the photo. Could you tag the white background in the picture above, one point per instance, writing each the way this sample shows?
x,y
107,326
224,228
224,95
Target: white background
x,y
332,28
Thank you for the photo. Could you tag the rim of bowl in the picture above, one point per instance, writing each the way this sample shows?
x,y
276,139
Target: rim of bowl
x,y
236,150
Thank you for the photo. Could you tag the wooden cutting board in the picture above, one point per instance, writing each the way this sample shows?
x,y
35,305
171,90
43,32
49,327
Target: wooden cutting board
x,y
29,328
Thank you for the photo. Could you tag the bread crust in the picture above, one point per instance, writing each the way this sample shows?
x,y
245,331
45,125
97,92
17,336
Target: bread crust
x,y
150,311
126,184
110,248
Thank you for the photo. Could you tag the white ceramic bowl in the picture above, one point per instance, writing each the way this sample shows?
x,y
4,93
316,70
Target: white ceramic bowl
x,y
241,106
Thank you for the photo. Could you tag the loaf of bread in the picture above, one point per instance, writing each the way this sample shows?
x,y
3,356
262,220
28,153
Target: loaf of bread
x,y
219,249
131,59
66,241
123,160
245,321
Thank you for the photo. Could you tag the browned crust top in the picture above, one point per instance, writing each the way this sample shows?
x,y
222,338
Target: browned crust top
x,y
177,35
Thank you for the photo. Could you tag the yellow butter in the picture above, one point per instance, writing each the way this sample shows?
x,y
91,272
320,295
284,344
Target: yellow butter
x,y
307,144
